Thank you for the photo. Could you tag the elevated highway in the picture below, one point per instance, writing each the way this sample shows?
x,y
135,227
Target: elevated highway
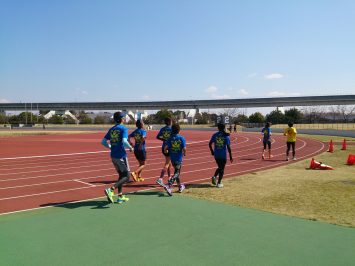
x,y
189,104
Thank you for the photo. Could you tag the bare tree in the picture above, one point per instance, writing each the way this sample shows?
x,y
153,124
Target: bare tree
x,y
333,112
232,112
313,114
346,111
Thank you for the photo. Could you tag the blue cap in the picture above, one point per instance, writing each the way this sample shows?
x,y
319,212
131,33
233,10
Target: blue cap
x,y
119,115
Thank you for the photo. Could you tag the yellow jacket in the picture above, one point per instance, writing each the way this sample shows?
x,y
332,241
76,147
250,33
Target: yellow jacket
x,y
291,133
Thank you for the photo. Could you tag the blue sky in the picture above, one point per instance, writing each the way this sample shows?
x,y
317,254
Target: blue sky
x,y
138,50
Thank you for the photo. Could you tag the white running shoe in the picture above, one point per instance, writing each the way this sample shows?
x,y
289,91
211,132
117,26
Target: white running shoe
x,y
220,185
181,188
168,190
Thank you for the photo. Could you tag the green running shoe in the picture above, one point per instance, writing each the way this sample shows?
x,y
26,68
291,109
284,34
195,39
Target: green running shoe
x,y
109,194
122,199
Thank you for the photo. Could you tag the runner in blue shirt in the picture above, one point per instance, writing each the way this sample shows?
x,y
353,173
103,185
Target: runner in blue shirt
x,y
266,132
175,146
221,142
117,135
139,136
163,135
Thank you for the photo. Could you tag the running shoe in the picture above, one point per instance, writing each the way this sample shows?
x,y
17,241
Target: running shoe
x,y
214,180
140,179
168,190
122,199
294,159
220,185
287,158
109,194
263,157
119,200
181,188
134,176
160,182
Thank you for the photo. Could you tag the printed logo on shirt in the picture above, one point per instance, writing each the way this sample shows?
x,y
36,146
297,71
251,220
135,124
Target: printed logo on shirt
x,y
114,134
175,145
166,135
219,142
138,138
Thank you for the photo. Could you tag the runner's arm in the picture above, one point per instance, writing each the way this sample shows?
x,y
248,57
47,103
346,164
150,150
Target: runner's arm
x,y
210,146
129,140
126,144
230,153
166,148
104,143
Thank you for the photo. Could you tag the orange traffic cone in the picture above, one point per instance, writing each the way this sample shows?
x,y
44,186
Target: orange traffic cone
x,y
344,145
351,159
312,165
325,167
331,146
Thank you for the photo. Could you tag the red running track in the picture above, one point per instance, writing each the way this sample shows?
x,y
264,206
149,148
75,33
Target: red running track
x,y
42,171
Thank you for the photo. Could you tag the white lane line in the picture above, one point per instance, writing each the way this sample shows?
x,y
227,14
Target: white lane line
x,y
52,155
48,183
88,184
192,181
33,177
79,161
72,202
106,169
191,171
82,153
57,169
45,193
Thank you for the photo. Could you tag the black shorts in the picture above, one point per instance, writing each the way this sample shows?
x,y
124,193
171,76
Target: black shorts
x,y
268,143
165,154
122,167
140,155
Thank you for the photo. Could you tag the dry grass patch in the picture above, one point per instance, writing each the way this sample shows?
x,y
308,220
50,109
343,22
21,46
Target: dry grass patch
x,y
293,190
327,138
17,133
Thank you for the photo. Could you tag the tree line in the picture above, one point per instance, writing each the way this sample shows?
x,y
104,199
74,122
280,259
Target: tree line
x,y
337,114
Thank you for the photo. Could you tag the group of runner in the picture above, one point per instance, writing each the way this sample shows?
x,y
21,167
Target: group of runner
x,y
289,132
117,140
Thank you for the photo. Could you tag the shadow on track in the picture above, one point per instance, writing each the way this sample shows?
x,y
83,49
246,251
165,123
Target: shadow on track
x,y
97,204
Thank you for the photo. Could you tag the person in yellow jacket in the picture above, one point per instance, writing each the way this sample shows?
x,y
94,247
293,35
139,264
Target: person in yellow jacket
x,y
291,133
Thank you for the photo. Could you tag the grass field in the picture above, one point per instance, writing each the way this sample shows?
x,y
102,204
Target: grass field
x,y
335,126
325,195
